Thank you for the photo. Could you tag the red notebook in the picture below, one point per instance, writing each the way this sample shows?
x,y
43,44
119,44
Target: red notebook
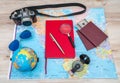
x,y
51,49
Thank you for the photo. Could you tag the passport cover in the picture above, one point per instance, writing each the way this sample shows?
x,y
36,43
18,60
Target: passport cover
x,y
91,35
86,42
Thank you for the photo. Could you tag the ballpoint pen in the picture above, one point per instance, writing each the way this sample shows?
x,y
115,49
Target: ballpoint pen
x,y
58,45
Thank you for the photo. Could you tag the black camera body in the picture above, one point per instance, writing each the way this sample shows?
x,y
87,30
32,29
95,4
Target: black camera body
x,y
24,16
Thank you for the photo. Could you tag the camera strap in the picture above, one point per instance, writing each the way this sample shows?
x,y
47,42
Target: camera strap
x,y
35,8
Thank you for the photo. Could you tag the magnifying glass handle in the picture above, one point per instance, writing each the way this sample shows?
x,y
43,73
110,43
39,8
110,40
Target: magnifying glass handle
x,y
71,41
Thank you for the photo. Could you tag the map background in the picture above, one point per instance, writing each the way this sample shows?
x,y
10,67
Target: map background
x,y
101,66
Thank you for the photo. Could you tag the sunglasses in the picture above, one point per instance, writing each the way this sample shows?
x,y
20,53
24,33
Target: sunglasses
x,y
14,45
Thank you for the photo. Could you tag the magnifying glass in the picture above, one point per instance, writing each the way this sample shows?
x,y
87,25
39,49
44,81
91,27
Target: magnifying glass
x,y
66,29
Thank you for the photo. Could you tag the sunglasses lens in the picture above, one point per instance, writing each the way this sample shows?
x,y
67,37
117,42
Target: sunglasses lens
x,y
14,45
25,34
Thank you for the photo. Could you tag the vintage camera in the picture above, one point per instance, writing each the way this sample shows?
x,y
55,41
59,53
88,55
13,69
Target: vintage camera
x,y
24,16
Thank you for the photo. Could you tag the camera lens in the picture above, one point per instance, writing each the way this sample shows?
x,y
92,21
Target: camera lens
x,y
26,21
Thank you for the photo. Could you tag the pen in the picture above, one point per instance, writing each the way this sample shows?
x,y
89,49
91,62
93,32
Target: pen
x,y
57,43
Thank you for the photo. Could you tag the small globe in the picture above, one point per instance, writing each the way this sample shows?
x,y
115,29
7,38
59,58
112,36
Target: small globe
x,y
25,60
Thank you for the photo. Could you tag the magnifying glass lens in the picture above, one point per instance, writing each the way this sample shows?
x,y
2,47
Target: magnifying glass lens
x,y
66,29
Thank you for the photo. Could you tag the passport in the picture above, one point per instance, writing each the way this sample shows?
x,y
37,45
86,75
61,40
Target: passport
x,y
90,34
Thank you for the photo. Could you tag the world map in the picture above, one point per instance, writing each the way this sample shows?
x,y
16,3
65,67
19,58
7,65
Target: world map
x,y
101,65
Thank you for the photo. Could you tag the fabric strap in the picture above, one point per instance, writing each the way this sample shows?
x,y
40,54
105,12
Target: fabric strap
x,y
57,6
